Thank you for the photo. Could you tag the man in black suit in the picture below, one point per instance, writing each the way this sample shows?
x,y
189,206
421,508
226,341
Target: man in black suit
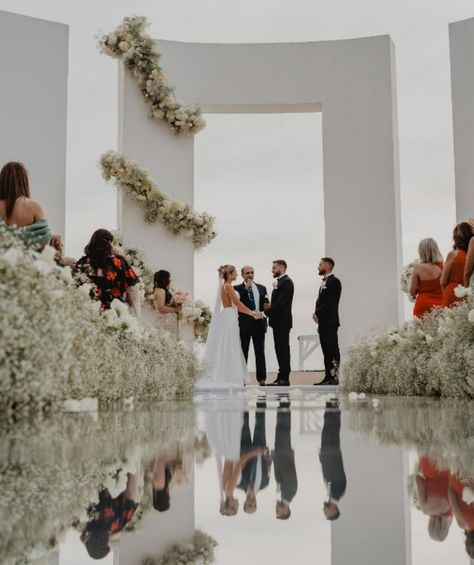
x,y
330,457
256,472
254,296
326,315
280,319
284,462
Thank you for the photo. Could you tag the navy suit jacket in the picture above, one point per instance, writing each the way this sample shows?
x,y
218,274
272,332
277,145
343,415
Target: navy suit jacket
x,y
244,319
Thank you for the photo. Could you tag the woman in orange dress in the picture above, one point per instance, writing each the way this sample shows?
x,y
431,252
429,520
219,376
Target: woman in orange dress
x,y
425,281
453,272
432,484
463,509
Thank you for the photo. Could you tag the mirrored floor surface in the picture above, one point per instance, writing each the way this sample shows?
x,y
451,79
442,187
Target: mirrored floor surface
x,y
242,478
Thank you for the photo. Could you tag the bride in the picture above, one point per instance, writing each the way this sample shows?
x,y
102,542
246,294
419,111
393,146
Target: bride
x,y
223,355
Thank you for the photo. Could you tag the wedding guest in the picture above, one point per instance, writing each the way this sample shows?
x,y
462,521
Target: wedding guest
x,y
326,315
284,462
281,320
453,272
256,472
112,276
462,510
426,278
23,216
57,243
109,516
330,457
469,268
254,296
164,304
432,484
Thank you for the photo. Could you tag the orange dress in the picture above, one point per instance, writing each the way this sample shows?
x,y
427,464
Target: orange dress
x,y
456,277
430,295
436,481
466,511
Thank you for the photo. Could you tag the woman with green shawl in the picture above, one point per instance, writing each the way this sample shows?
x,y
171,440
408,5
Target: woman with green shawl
x,y
21,215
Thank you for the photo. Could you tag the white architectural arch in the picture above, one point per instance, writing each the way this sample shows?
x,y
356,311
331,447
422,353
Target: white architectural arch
x,y
353,84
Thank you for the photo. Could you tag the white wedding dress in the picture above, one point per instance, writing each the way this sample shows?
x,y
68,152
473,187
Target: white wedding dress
x,y
223,357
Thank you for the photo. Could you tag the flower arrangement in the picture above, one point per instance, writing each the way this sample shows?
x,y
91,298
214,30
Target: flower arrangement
x,y
130,43
198,314
433,355
136,259
405,279
56,345
200,551
179,218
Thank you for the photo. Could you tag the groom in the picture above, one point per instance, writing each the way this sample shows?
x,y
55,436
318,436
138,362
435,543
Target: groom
x,y
280,319
254,296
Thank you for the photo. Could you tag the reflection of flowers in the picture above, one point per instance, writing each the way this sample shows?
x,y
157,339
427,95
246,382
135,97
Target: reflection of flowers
x,y
200,551
177,217
130,43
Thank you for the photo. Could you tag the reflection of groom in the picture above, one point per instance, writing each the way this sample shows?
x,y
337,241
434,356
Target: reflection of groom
x,y
256,472
254,296
284,462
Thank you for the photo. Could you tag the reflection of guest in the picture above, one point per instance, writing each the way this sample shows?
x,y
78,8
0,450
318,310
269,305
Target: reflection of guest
x,y
164,470
463,512
255,473
163,302
330,456
109,516
284,463
432,487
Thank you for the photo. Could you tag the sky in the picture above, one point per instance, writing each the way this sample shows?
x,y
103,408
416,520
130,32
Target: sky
x,y
248,155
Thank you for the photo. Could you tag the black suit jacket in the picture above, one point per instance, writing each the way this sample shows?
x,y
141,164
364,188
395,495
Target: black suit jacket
x,y
244,319
279,313
327,304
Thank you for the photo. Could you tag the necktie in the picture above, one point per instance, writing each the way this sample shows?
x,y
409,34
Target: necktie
x,y
251,299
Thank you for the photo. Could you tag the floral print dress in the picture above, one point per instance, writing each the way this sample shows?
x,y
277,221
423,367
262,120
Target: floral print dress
x,y
110,282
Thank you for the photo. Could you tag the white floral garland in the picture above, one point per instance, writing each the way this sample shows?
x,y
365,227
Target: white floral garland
x,y
130,43
179,218
405,279
200,552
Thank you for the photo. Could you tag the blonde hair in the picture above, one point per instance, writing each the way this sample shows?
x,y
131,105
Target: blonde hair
x,y
438,527
227,270
429,252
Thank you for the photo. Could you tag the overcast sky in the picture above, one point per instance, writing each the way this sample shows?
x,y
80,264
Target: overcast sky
x,y
262,160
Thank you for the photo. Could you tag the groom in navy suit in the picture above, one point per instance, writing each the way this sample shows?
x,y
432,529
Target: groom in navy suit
x,y
254,296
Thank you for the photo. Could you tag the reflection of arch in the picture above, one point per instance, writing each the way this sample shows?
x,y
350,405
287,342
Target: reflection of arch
x,y
353,83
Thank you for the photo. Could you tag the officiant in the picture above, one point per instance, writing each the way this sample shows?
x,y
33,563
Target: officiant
x,y
254,296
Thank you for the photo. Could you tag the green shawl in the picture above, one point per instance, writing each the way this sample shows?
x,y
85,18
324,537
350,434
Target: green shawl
x,y
34,236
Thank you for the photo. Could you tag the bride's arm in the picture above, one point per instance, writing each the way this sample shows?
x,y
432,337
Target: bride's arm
x,y
229,289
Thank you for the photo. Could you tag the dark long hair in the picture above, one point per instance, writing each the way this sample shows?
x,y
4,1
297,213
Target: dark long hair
x,y
13,183
99,248
462,235
162,280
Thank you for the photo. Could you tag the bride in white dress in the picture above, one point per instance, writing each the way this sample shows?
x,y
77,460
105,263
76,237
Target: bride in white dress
x,y
223,357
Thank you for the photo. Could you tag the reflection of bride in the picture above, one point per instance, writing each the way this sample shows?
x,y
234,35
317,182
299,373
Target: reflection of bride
x,y
223,355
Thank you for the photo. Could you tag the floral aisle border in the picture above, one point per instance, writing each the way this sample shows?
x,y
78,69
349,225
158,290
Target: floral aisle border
x,y
106,356
130,43
200,552
431,356
179,218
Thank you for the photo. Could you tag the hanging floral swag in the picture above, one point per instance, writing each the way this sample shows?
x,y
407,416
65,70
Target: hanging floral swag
x,y
179,218
200,552
130,43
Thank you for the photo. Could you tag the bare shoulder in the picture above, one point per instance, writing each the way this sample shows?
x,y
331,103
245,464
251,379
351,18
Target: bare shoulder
x,y
451,255
35,208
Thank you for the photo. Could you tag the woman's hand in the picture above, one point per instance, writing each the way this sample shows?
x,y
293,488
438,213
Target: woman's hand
x,y
178,308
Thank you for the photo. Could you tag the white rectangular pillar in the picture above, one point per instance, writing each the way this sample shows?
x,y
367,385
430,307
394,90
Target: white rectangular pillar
x,y
461,41
33,107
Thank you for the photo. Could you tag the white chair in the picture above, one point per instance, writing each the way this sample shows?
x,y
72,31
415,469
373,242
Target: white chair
x,y
306,344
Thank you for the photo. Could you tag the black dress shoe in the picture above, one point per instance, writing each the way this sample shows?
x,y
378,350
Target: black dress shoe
x,y
261,383
327,382
279,383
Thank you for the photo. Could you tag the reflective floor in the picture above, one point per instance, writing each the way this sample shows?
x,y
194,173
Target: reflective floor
x,y
303,478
